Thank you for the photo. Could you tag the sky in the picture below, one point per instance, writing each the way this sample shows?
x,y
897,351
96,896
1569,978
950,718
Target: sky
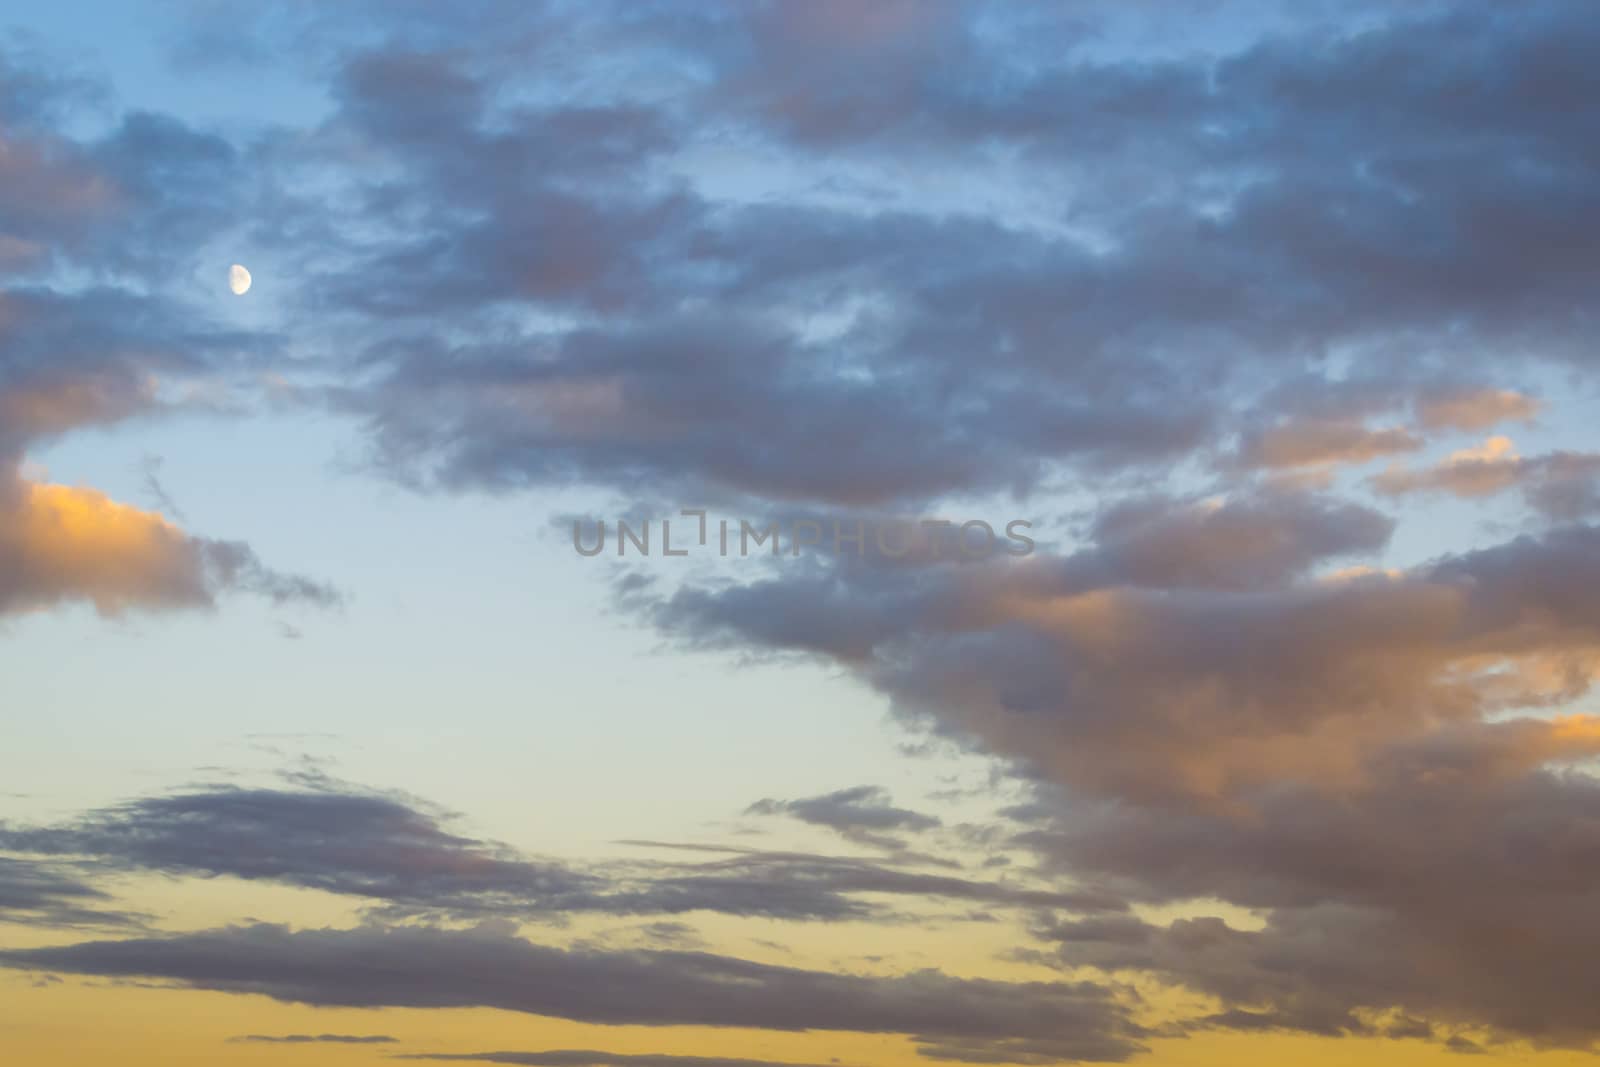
x,y
1177,642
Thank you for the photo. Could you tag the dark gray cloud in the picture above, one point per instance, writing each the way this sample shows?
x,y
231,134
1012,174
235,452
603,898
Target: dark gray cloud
x,y
1184,690
131,201
1235,543
50,895
1230,219
314,1039
39,90
796,884
1560,486
95,356
1238,543
1445,887
341,842
574,291
403,858
863,813
1369,760
425,968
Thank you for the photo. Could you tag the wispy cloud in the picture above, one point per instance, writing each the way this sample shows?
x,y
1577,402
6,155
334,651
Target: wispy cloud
x,y
419,968
397,855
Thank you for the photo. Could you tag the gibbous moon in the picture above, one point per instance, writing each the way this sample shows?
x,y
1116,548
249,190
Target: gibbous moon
x,y
238,280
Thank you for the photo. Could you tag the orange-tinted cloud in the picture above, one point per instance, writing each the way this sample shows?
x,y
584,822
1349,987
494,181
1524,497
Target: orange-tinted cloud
x,y
1559,485
1474,409
1323,443
1487,469
60,402
60,544
1369,763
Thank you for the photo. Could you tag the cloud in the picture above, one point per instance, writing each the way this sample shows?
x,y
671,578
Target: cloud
x,y
795,885
1247,541
1481,471
1323,443
1442,888
132,199
150,467
862,813
1239,685
49,895
965,251
97,353
350,843
572,294
59,543
574,291
1375,763
661,402
401,856
314,1039
1475,409
1239,542
1561,486
425,968
1234,217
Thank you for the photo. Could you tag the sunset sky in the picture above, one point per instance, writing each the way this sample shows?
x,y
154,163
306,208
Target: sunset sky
x,y
1270,327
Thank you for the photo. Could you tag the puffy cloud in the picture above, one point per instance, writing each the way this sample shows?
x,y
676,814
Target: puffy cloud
x,y
1562,486
1231,543
572,292
1481,471
1451,885
46,192
131,200
1193,691
59,543
1323,443
1368,761
560,263
1475,409
1180,243
1233,218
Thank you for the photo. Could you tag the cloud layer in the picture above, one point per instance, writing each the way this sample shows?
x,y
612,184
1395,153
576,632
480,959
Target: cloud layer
x,y
401,857
1366,759
1236,279
421,968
